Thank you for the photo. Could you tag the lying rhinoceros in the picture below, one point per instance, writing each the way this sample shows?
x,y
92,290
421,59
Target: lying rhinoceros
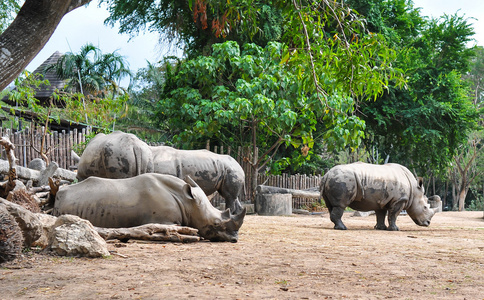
x,y
147,198
123,155
382,188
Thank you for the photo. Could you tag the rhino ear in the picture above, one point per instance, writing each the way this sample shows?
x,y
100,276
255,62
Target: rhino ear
x,y
239,219
187,191
420,182
190,181
226,214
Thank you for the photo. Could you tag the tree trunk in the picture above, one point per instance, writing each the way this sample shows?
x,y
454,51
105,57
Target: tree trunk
x,y
38,176
462,199
308,193
28,34
255,159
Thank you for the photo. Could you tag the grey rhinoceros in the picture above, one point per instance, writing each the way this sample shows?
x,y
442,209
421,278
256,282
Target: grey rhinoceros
x,y
123,155
383,188
144,199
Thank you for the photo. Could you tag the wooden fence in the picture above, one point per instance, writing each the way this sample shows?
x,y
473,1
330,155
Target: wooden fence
x,y
57,144
61,144
297,182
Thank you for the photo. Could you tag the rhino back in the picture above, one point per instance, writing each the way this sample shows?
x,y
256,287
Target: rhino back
x,y
116,155
147,198
208,169
366,186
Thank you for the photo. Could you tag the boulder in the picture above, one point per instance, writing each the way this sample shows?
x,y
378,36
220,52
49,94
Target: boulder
x,y
363,213
435,202
73,236
37,164
47,222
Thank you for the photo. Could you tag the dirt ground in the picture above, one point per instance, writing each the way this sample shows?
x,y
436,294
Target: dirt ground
x,y
292,257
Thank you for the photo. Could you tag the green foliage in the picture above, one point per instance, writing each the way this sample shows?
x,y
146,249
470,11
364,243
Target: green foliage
x,y
8,11
198,25
477,204
476,76
99,112
234,96
397,20
91,72
330,64
144,93
422,126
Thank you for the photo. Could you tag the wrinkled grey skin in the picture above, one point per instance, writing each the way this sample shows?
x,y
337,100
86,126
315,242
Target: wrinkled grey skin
x,y
212,172
147,198
116,155
122,155
383,188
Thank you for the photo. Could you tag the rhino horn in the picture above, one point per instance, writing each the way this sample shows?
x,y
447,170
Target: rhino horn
x,y
239,218
190,181
226,214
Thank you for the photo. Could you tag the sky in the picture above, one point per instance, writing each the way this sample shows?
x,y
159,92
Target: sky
x,y
86,25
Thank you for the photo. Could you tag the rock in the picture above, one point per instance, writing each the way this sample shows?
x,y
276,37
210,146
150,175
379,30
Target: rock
x,y
47,222
363,213
37,164
250,208
73,236
435,202
301,211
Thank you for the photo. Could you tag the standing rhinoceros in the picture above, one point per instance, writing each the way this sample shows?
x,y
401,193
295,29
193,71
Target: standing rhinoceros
x,y
382,188
116,155
147,198
123,155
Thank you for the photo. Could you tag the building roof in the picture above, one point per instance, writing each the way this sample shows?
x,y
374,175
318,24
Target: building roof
x,y
55,82
43,94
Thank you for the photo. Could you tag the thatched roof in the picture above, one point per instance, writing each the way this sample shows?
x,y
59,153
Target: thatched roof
x,y
43,94
55,82
45,91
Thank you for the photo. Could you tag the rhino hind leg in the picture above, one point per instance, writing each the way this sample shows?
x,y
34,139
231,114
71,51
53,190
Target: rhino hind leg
x,y
380,219
335,216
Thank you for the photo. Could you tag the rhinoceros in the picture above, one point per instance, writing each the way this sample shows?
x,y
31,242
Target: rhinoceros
x,y
116,155
123,155
383,188
147,198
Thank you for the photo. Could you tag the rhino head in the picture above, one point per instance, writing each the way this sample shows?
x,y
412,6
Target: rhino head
x,y
212,224
420,210
225,228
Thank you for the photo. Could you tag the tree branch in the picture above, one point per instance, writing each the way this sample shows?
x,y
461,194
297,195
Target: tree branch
x,y
311,59
28,34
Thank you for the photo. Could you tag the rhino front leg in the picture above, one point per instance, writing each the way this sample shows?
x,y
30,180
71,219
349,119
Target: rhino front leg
x,y
393,213
380,219
335,216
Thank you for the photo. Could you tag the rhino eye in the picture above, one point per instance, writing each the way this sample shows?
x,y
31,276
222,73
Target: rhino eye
x,y
217,221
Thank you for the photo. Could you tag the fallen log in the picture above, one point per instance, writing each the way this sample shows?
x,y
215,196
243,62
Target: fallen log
x,y
308,193
151,232
39,176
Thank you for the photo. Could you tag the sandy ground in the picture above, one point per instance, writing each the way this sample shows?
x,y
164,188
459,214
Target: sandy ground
x,y
292,257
